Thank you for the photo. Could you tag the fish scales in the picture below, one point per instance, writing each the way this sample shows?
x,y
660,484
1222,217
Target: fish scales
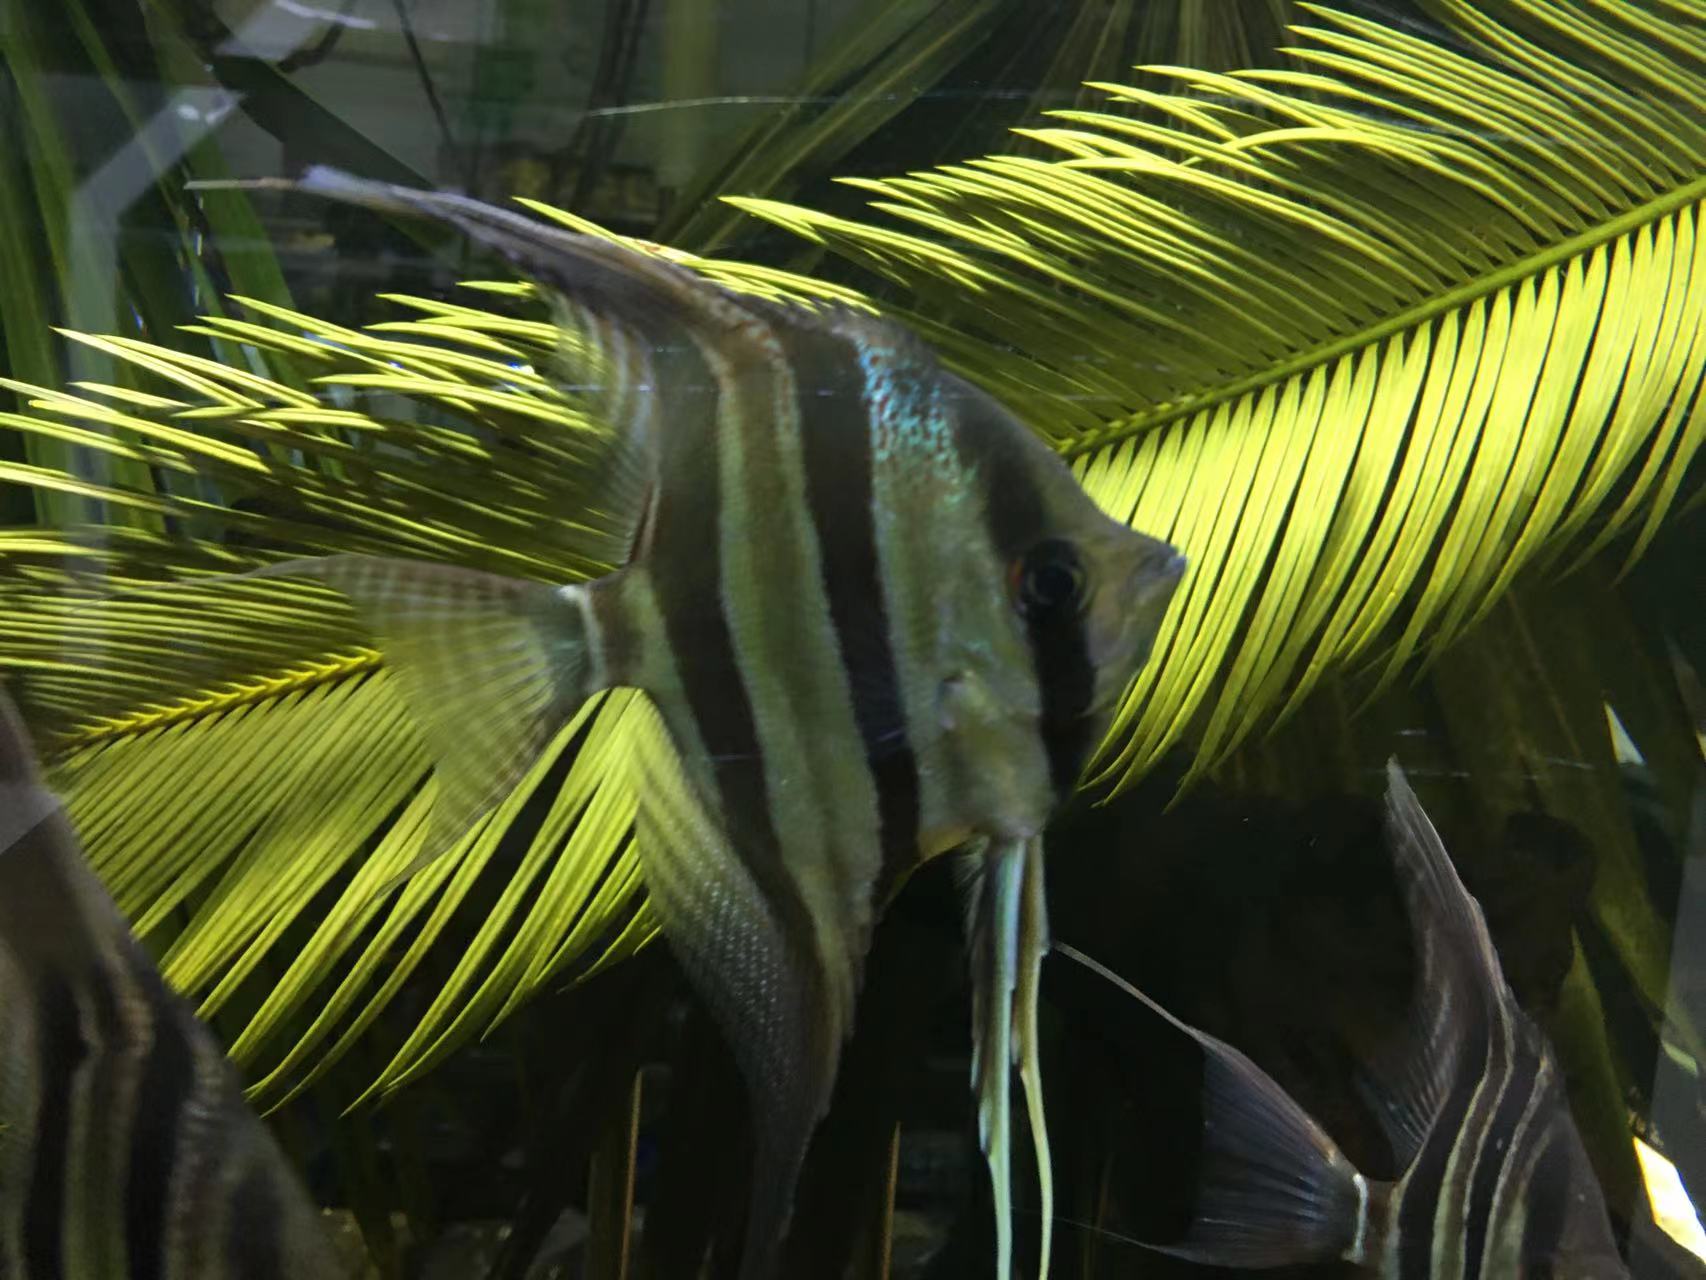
x,y
1059,651
845,419
740,577
1429,1201
1511,1077
1520,1170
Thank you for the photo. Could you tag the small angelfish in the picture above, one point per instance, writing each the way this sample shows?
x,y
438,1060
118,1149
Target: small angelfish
x,y
126,1149
877,619
1496,1184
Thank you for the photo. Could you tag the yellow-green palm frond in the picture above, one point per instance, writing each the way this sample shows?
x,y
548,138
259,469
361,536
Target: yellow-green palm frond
x,y
1365,337
233,752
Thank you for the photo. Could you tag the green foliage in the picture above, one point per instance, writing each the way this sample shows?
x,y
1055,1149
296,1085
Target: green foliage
x,y
1362,372
1384,338
1365,338
920,83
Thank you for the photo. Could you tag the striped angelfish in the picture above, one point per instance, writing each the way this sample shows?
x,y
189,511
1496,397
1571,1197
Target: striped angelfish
x,y
126,1149
876,619
1495,1185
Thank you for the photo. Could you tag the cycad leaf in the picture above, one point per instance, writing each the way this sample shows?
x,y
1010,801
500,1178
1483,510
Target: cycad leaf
x,y
1364,338
1367,339
232,751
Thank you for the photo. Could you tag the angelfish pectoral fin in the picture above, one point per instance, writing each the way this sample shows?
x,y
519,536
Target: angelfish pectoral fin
x,y
489,667
1006,935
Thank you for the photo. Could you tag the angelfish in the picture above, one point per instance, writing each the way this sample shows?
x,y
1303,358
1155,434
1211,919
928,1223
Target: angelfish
x,y
877,618
1495,1182
126,1148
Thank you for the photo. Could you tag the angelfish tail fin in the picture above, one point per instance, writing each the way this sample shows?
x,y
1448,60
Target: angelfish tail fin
x,y
1006,935
1273,1189
490,668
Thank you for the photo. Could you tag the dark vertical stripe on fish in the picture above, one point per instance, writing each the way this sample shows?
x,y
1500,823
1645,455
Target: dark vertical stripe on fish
x,y
1060,647
1060,651
254,1228
835,443
60,1051
1544,1197
1423,1186
168,1081
686,567
1495,1152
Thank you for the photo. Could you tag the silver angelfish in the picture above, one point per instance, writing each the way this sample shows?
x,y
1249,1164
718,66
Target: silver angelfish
x,y
1496,1183
877,619
126,1148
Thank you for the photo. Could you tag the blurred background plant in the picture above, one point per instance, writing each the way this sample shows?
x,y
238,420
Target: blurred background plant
x,y
1402,341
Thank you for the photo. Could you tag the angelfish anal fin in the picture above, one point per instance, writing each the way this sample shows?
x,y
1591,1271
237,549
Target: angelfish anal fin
x,y
765,989
1006,936
490,668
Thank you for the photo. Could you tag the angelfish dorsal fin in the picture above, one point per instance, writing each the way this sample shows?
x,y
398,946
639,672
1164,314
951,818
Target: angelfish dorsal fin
x,y
1459,988
626,319
1433,892
605,275
25,800
54,916
1272,1188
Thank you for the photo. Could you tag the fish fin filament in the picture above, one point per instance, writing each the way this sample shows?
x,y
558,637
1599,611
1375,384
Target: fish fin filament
x,y
993,879
1033,942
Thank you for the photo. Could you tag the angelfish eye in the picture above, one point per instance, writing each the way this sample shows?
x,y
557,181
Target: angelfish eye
x,y
1049,578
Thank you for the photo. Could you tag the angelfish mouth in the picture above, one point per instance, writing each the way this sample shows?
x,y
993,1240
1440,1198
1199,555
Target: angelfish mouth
x,y
1140,610
1158,575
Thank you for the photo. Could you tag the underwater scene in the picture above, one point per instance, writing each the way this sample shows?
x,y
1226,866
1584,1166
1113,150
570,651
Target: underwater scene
x,y
852,639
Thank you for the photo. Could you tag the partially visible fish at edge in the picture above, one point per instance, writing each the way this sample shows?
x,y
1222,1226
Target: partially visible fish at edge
x,y
1495,1185
127,1151
875,617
